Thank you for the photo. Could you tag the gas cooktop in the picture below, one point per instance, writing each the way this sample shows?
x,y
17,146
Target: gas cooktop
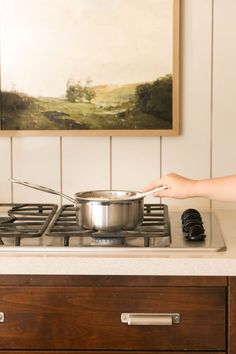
x,y
46,227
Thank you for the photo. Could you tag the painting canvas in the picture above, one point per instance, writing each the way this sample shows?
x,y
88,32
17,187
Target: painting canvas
x,y
90,67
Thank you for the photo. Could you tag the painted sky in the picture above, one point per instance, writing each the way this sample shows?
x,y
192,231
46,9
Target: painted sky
x,y
46,42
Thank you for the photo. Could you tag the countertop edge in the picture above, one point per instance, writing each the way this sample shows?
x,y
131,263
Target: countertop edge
x,y
74,265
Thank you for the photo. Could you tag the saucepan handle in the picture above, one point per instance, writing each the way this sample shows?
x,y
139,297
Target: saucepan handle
x,y
42,189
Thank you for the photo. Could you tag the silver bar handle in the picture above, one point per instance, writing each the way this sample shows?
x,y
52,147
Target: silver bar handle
x,y
42,189
2,317
150,319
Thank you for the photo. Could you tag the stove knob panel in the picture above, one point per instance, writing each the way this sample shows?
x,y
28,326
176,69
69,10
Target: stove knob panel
x,y
192,225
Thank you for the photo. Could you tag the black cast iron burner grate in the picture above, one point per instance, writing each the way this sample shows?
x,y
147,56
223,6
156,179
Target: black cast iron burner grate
x,y
25,220
156,224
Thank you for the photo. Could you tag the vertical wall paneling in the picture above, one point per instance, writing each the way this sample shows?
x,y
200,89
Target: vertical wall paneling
x,y
189,154
205,148
135,162
36,160
5,171
224,92
85,164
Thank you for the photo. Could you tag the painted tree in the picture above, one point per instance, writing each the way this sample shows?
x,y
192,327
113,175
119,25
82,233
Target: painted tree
x,y
89,92
156,98
74,91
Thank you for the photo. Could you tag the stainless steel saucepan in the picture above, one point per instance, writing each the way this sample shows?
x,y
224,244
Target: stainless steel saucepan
x,y
107,210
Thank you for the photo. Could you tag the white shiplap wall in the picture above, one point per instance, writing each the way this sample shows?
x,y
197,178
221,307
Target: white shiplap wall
x,y
224,91
205,148
189,154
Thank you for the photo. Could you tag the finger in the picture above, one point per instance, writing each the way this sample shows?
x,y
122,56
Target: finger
x,y
163,193
152,185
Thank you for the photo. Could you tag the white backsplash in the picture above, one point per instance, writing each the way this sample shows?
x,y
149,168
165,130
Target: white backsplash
x,y
205,148
85,164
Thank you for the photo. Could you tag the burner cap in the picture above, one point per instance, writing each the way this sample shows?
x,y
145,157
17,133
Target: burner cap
x,y
108,238
114,241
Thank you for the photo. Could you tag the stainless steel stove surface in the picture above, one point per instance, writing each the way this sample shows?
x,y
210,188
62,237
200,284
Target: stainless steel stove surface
x,y
42,227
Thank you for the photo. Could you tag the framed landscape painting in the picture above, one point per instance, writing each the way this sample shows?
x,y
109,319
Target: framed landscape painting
x,y
90,67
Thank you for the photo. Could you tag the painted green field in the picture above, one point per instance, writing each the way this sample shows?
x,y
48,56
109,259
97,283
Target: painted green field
x,y
112,108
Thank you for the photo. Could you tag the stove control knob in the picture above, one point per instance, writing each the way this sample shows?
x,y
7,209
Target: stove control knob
x,y
192,225
190,213
191,218
196,233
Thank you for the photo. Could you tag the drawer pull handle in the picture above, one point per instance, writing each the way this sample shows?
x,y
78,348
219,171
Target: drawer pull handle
x,y
150,319
1,316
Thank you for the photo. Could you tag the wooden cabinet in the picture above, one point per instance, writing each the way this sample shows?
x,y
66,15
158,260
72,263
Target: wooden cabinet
x,y
232,315
103,352
82,314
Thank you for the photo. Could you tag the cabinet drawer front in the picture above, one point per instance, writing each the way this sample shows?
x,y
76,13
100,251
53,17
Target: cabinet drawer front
x,y
90,318
101,352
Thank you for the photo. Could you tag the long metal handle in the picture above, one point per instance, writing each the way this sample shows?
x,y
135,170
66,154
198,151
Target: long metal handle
x,y
143,194
42,189
2,317
150,319
154,190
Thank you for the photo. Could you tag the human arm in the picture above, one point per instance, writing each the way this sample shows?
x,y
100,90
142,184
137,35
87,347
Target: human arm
x,y
180,187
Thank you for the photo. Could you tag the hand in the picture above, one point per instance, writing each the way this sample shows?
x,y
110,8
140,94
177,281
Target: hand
x,y
177,186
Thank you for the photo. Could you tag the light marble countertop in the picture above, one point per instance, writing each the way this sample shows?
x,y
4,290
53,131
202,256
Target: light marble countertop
x,y
151,263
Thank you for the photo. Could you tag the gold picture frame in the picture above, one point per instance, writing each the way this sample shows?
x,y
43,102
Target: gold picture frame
x,y
141,106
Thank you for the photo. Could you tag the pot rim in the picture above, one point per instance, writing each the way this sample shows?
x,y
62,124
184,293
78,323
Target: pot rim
x,y
99,196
